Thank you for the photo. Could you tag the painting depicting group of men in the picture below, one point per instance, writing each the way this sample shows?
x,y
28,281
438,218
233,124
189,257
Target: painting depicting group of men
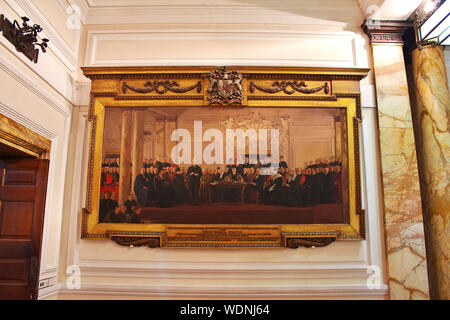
x,y
189,165
162,184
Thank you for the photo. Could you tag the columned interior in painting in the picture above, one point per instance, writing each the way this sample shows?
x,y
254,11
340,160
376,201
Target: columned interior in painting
x,y
312,130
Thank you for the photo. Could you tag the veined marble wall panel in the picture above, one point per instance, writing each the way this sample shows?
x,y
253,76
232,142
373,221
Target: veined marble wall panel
x,y
405,241
447,62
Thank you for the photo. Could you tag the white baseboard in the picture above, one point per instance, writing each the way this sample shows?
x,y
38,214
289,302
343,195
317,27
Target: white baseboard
x,y
112,291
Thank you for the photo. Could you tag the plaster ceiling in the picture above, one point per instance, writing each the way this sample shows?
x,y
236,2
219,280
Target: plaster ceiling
x,y
389,9
281,12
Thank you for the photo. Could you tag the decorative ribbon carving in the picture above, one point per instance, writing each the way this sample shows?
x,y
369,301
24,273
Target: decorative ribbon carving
x,y
137,242
161,87
295,86
308,242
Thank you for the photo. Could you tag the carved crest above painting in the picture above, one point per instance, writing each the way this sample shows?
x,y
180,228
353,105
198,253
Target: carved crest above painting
x,y
227,86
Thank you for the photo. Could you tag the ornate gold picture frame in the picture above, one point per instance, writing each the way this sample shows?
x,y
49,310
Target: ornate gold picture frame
x,y
268,92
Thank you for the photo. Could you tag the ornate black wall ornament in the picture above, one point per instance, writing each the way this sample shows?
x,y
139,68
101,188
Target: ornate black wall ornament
x,y
161,87
295,86
225,87
25,38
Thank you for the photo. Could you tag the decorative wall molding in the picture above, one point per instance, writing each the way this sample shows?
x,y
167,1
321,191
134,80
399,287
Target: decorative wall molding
x,y
236,292
161,87
82,93
19,118
227,12
386,32
290,87
48,292
75,202
57,43
9,67
81,4
349,45
208,270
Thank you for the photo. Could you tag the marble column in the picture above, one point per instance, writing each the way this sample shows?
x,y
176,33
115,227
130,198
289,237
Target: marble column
x,y
125,156
404,230
137,144
433,114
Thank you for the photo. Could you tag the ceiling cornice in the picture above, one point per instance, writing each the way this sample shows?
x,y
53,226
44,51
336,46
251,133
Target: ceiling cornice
x,y
282,12
386,32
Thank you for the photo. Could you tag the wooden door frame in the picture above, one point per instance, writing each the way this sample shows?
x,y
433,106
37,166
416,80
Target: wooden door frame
x,y
19,137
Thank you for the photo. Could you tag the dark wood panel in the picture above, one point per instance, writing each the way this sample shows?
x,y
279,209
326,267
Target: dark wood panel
x,y
15,292
20,177
14,248
17,193
21,216
16,219
13,270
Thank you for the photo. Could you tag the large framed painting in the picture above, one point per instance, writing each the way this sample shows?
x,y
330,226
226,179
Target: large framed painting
x,y
236,157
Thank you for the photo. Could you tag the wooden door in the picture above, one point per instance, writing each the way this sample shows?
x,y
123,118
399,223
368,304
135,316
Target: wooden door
x,y
23,185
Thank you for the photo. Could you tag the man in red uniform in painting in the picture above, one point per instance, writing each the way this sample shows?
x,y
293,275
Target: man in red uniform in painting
x,y
111,182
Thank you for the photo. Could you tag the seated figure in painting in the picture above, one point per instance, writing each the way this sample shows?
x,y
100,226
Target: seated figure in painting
x,y
117,215
107,205
133,216
233,177
273,190
130,202
141,188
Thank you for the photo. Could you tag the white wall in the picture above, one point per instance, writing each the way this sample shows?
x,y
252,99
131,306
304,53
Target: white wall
x,y
40,96
326,34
